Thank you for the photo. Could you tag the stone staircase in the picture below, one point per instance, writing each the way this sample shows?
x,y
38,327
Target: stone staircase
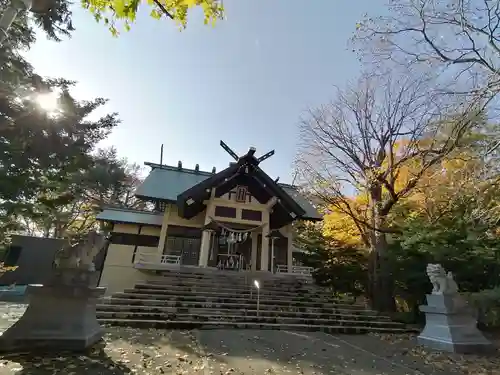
x,y
201,299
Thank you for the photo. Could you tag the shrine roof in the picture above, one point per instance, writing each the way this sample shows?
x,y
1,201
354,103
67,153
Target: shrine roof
x,y
168,182
129,216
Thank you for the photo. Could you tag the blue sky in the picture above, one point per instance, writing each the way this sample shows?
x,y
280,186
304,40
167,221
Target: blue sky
x,y
248,80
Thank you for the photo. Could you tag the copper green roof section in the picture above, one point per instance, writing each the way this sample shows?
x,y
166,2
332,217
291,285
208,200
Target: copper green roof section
x,y
167,183
128,216
311,212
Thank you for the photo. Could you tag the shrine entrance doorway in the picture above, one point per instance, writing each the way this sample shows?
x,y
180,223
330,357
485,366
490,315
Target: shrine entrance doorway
x,y
233,256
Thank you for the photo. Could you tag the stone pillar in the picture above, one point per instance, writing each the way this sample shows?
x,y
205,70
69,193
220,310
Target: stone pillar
x,y
164,227
253,257
264,254
289,254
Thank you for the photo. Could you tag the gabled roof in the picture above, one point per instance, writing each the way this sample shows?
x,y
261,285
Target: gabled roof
x,y
168,182
244,172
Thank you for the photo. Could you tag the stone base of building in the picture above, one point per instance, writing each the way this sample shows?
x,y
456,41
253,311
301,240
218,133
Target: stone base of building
x,y
450,326
61,318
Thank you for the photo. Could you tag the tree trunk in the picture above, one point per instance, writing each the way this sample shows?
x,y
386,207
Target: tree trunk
x,y
381,288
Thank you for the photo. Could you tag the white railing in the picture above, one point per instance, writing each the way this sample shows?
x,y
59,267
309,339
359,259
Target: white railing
x,y
171,259
298,270
157,259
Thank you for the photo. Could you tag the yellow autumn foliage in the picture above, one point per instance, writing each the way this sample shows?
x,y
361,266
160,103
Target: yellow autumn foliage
x,y
432,193
452,176
341,226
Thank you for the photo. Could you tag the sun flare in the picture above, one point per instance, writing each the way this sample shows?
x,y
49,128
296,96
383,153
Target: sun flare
x,y
49,102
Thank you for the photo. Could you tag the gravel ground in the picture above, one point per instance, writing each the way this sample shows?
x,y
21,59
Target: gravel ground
x,y
244,352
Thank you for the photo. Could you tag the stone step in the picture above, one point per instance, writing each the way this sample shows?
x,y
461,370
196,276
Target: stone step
x,y
217,284
238,318
263,300
265,276
209,289
243,294
234,305
233,281
247,325
211,283
341,314
235,275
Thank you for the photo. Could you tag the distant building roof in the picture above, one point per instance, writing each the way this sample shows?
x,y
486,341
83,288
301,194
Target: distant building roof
x,y
311,211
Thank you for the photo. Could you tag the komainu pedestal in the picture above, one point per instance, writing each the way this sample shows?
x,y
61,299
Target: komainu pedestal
x,y
449,321
57,318
61,315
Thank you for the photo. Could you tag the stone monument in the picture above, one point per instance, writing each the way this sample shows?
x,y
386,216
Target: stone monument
x,y
61,314
450,324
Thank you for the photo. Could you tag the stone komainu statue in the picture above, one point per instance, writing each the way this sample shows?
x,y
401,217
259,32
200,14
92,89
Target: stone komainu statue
x,y
80,253
442,282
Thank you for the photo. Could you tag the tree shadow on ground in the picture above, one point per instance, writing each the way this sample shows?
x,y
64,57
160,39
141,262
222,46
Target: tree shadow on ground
x,y
92,361
122,351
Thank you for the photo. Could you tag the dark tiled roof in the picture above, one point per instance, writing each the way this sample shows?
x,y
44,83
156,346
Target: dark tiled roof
x,y
167,182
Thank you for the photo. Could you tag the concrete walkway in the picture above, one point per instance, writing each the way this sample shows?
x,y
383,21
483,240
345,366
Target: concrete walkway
x,y
281,352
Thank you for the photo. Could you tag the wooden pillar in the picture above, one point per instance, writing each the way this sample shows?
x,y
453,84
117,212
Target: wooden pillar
x,y
272,254
204,249
264,257
289,254
206,236
164,227
253,257
134,254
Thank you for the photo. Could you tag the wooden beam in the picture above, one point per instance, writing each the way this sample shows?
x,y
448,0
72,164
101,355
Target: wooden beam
x,y
271,202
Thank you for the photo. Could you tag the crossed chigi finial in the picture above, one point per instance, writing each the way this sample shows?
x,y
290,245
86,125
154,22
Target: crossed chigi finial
x,y
250,153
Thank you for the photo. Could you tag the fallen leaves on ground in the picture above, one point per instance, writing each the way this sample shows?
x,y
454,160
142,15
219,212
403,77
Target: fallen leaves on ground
x,y
467,364
123,351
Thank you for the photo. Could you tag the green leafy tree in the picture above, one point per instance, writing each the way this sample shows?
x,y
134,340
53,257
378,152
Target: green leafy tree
x,y
459,231
42,153
109,181
115,12
52,178
341,267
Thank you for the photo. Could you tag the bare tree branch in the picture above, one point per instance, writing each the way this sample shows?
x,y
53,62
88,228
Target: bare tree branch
x,y
458,38
361,141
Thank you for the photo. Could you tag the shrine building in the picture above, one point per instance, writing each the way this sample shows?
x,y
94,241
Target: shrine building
x,y
235,220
